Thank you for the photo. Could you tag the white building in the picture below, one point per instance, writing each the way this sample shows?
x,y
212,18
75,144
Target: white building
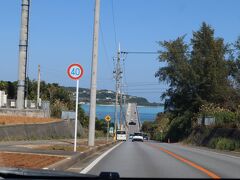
x,y
3,99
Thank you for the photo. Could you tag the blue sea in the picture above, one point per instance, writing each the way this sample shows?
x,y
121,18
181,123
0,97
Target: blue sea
x,y
146,113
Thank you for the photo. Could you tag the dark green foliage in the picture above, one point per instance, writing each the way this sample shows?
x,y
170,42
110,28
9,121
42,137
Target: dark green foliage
x,y
59,97
216,138
10,88
225,144
202,72
83,118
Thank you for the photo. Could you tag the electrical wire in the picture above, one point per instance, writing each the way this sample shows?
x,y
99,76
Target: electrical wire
x,y
104,47
114,25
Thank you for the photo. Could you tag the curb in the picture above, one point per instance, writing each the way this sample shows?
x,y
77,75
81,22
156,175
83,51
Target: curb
x,y
69,161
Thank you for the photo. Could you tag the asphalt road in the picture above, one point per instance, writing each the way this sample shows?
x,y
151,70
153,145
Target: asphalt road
x,y
132,116
152,159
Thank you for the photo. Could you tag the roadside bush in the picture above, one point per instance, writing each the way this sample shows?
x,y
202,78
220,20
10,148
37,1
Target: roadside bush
x,y
225,117
213,143
158,136
99,134
225,144
180,127
237,146
222,116
57,107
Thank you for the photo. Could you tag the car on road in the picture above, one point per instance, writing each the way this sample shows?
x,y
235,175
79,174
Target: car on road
x,y
145,137
130,136
121,135
131,123
137,137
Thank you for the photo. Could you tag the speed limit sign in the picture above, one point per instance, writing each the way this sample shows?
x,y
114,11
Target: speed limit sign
x,y
75,71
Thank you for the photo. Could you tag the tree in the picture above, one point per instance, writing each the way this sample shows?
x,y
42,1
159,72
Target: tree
x,y
178,74
209,64
197,77
84,120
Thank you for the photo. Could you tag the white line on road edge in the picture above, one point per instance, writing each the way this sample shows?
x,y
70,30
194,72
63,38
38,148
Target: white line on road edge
x,y
90,166
213,152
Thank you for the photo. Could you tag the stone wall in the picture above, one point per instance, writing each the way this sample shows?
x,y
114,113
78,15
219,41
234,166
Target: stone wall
x,y
61,129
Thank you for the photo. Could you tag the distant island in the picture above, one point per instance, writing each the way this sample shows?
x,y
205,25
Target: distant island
x,y
107,97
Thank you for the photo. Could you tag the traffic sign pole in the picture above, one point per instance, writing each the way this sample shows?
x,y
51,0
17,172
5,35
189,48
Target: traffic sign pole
x,y
107,131
75,72
107,119
76,116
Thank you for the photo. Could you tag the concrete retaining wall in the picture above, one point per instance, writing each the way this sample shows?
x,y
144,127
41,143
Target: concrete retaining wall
x,y
61,129
25,112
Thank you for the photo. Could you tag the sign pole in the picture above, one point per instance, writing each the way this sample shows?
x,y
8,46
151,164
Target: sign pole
x,y
76,116
107,130
107,119
75,72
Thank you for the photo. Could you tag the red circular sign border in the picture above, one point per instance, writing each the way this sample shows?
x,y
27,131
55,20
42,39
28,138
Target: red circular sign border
x,y
68,71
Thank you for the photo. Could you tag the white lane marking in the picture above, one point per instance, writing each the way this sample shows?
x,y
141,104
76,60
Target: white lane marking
x,y
207,151
90,166
222,154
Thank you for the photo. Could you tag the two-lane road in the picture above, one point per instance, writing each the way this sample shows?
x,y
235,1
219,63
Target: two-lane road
x,y
151,159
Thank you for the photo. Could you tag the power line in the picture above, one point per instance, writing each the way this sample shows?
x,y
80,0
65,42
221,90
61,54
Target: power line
x,y
104,46
143,84
139,52
157,92
166,51
114,25
146,89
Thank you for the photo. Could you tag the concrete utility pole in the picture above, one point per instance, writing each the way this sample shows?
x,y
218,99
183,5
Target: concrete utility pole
x,y
91,133
38,87
23,46
121,110
118,73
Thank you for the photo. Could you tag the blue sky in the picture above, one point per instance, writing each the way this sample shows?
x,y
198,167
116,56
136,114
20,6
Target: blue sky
x,y
61,33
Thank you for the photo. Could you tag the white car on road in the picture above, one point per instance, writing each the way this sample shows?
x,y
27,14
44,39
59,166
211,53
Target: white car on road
x,y
137,137
121,135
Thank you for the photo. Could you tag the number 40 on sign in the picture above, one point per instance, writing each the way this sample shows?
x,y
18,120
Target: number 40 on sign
x,y
75,71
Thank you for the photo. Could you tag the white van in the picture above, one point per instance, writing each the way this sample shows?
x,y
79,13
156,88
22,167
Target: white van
x,y
121,135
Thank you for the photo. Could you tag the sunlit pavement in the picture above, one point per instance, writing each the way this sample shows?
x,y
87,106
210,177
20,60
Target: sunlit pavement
x,y
151,159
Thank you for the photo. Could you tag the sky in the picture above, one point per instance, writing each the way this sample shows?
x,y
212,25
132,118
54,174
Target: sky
x,y
61,33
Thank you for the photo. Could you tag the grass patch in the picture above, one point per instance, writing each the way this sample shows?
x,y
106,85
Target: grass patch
x,y
225,144
12,120
64,148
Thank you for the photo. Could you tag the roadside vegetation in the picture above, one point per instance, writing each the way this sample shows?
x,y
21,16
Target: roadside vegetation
x,y
204,81
60,98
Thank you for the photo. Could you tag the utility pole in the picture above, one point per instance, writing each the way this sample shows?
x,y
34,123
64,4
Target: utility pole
x,y
124,106
23,46
117,73
38,87
120,110
91,133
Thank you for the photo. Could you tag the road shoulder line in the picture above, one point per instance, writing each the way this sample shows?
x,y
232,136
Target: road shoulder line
x,y
200,149
90,166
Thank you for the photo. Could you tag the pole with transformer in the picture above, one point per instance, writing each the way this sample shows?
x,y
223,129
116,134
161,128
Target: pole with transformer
x,y
92,110
117,76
